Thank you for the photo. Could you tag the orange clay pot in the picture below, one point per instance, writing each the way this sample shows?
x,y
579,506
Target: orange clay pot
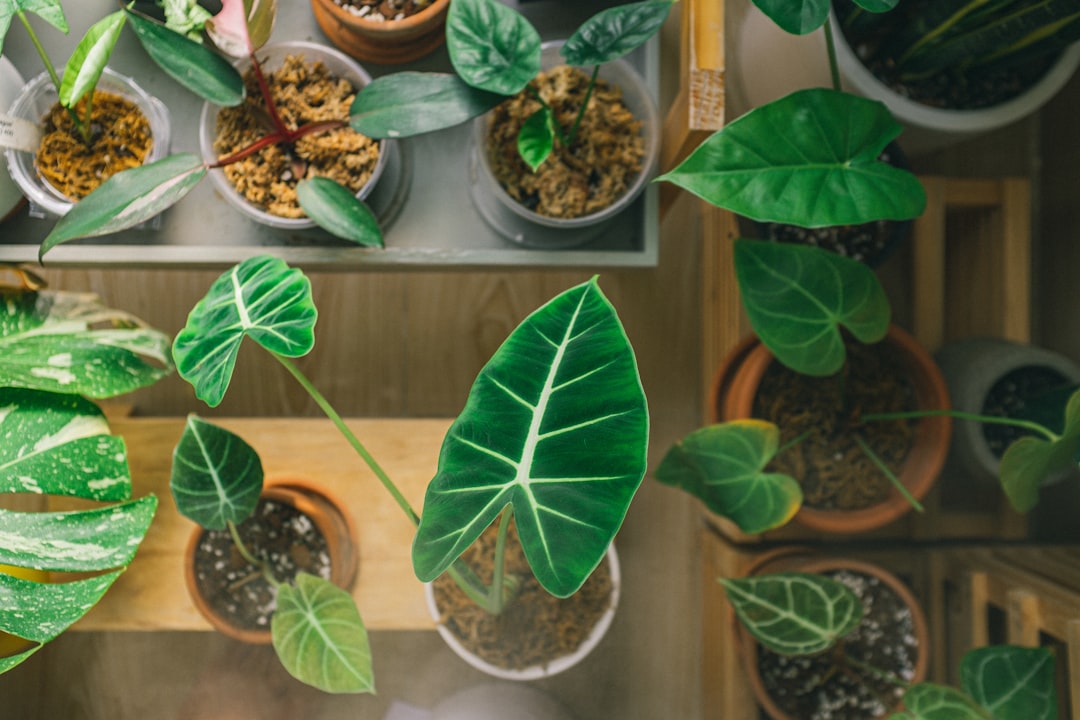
x,y
389,42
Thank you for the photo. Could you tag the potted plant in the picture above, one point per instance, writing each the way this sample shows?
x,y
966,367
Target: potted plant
x,y
387,33
553,436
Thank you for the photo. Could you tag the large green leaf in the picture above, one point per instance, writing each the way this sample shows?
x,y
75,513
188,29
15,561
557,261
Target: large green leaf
x,y
216,476
724,466
797,298
809,159
556,426
1013,683
410,103
48,10
85,65
261,298
1030,460
41,611
338,211
794,613
320,638
492,46
192,64
797,17
53,341
927,701
612,33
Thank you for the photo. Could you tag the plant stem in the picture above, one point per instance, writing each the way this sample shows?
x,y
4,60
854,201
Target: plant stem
x,y
888,473
961,415
83,128
268,100
246,554
584,105
496,594
794,441
551,113
830,47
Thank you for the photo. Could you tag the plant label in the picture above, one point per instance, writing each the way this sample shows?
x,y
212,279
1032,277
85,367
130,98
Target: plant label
x,y
19,134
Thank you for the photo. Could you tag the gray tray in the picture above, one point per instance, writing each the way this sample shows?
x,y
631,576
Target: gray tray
x,y
429,218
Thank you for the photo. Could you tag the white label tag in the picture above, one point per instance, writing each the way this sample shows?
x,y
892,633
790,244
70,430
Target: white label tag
x,y
19,134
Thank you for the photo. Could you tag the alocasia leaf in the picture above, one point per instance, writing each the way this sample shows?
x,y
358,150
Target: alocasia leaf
x,y
797,17
612,33
927,701
1013,683
536,138
51,11
808,159
410,103
724,466
555,426
798,297
261,298
1030,460
492,46
216,476
338,211
85,65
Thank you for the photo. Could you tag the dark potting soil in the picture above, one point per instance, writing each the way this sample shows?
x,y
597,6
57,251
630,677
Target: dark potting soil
x,y
276,533
1011,396
536,627
834,471
825,686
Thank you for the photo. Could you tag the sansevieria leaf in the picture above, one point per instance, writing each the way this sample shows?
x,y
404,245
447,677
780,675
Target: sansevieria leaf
x,y
928,701
216,476
1013,683
492,46
555,426
1031,460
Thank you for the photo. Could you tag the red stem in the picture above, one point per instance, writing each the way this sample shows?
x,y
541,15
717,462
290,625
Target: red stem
x,y
288,137
264,90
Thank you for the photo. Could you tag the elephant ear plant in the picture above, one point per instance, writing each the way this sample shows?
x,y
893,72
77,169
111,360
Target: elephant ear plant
x,y
58,349
554,433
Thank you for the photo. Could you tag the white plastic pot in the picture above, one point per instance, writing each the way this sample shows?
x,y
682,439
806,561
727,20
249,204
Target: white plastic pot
x,y
500,701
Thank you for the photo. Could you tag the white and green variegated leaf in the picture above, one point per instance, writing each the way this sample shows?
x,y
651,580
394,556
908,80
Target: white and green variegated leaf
x,y
555,426
84,67
794,613
1013,683
71,343
216,476
59,445
320,638
492,46
261,298
51,11
928,701
7,663
41,611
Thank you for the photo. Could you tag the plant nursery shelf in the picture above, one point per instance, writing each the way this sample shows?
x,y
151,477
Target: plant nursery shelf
x,y
424,199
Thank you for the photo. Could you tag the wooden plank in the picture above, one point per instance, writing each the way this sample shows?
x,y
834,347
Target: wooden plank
x,y
978,598
1015,272
1024,618
928,274
1072,639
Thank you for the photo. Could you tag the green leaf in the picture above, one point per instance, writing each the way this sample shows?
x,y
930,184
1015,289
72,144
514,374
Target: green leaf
x,y
1030,460
536,138
127,199
216,476
242,26
877,6
927,701
797,298
85,65
809,159
405,104
41,611
555,426
797,17
7,663
192,64
1013,683
320,638
492,46
261,298
338,211
724,466
615,32
794,613
55,341
48,10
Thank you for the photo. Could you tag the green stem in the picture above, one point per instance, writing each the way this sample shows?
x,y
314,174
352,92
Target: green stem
x,y
889,474
961,415
246,554
584,105
496,594
554,123
82,127
794,441
830,47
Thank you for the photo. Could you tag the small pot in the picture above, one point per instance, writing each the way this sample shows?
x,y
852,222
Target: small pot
x,y
390,42
329,517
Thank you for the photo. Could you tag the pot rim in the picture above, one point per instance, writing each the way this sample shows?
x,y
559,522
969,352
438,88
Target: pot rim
x,y
383,26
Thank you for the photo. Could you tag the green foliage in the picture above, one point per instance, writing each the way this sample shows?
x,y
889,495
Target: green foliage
x,y
216,476
1030,460
537,137
412,103
492,46
335,209
613,33
1013,683
51,11
84,67
927,701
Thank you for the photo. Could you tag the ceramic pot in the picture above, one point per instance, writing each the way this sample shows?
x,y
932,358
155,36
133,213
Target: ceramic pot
x,y
35,101
384,42
736,385
330,518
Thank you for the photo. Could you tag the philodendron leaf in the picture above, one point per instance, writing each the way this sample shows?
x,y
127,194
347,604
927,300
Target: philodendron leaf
x,y
85,65
411,103
242,26
54,341
794,613
536,138
320,638
612,33
798,297
261,298
50,11
555,426
492,46
216,476
724,466
338,211
1030,460
127,199
927,701
809,159
1013,683
797,17
192,64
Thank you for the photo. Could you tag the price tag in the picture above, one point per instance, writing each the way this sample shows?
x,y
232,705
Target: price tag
x,y
19,134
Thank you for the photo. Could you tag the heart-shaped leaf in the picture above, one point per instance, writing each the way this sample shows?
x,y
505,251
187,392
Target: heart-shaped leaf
x,y
927,701
1013,683
410,103
216,476
556,426
85,65
261,298
794,613
536,138
724,466
797,298
492,46
50,11
1030,460
797,17
320,638
338,211
615,32
808,159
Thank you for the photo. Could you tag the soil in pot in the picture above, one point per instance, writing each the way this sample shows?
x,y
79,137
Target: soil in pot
x,y
533,630
828,462
590,175
304,92
1019,394
383,10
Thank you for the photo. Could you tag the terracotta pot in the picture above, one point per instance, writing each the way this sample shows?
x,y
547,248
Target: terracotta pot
x,y
733,398
329,516
389,42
